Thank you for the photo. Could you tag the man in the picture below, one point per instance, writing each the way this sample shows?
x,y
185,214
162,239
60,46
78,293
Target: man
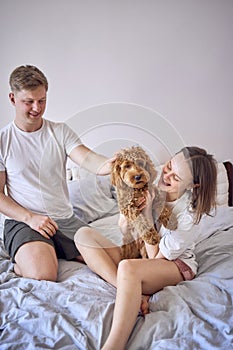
x,y
40,223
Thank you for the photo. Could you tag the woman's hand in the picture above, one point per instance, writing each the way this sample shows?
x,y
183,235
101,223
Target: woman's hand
x,y
147,205
123,224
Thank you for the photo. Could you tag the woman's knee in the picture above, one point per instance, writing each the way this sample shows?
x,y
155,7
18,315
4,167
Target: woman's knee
x,y
126,268
82,235
88,237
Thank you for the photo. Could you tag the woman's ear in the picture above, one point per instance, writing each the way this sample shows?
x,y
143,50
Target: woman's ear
x,y
12,98
191,187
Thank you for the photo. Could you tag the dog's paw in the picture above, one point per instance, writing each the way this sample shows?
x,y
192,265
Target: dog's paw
x,y
168,219
151,237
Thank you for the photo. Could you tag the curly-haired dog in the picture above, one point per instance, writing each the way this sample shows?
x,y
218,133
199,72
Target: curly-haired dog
x,y
133,173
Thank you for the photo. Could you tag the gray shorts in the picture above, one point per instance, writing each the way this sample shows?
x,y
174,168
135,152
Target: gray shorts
x,y
17,233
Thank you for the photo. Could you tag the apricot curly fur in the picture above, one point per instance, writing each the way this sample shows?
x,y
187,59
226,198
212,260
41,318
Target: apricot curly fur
x,y
133,173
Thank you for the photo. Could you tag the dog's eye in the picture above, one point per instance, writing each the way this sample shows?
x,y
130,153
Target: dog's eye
x,y
127,165
141,163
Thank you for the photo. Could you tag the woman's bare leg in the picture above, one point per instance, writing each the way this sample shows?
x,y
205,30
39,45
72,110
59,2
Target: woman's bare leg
x,y
99,253
135,277
126,309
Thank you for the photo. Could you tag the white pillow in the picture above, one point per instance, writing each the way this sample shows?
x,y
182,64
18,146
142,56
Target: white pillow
x,y
222,185
92,196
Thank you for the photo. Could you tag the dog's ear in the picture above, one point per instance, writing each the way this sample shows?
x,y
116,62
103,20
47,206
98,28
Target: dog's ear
x,y
115,174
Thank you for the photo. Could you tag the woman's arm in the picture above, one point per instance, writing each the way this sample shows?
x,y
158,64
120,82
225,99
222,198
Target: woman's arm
x,y
152,250
124,225
159,255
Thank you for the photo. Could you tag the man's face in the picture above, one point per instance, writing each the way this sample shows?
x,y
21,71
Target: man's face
x,y
29,106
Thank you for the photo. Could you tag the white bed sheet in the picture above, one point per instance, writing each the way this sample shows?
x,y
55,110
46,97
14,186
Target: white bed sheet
x,y
76,312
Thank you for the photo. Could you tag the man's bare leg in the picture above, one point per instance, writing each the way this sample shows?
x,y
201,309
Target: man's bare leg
x,y
36,260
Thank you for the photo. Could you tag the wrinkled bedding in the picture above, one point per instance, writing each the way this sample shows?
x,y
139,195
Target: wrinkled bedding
x,y
76,312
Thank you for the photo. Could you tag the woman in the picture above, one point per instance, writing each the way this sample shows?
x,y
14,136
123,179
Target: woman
x,y
189,181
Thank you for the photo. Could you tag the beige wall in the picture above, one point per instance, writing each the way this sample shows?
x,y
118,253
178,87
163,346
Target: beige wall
x,y
172,57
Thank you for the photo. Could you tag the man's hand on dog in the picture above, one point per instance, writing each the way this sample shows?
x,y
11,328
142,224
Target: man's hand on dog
x,y
106,167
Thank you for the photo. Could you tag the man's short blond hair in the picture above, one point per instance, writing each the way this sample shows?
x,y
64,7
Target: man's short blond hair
x,y
27,78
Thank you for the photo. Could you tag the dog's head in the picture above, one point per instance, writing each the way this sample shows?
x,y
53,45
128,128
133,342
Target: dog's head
x,y
133,167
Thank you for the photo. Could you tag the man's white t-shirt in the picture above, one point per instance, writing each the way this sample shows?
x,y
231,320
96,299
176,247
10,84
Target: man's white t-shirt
x,y
35,163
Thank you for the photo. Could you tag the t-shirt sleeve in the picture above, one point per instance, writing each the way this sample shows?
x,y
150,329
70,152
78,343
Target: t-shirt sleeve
x,y
2,165
71,139
174,243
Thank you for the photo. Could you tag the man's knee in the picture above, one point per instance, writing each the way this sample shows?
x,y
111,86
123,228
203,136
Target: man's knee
x,y
38,272
40,275
37,261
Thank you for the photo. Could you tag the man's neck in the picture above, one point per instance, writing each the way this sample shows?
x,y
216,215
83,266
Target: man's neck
x,y
29,127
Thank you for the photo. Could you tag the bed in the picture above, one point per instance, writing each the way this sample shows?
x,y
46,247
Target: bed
x,y
76,312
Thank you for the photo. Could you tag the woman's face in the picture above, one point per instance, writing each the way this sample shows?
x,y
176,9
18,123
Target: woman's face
x,y
176,177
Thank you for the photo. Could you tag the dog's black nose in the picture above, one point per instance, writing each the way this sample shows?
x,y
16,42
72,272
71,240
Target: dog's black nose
x,y
137,177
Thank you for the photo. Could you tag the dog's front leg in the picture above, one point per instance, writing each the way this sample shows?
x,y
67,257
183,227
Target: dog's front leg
x,y
146,230
130,248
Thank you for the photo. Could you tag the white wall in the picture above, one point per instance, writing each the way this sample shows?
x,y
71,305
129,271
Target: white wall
x,y
172,57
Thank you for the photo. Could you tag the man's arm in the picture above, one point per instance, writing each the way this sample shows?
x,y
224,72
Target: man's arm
x,y
91,161
43,224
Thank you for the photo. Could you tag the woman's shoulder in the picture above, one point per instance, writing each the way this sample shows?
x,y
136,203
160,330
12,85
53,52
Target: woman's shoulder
x,y
181,205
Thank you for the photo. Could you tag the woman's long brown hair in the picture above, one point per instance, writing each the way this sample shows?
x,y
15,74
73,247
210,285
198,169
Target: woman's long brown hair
x,y
204,170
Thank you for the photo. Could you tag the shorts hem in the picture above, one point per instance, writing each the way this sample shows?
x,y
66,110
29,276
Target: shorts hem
x,y
185,270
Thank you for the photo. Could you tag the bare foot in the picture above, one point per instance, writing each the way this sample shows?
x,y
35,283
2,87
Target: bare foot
x,y
145,304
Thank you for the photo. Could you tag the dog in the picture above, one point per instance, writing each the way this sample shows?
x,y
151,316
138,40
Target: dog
x,y
133,174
